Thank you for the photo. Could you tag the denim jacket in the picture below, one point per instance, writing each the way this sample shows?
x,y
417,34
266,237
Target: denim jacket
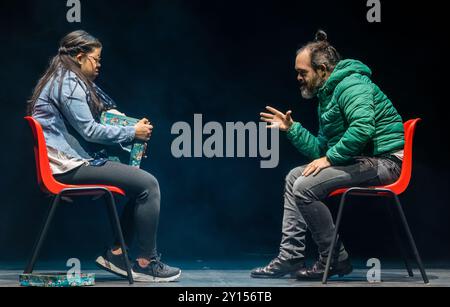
x,y
68,123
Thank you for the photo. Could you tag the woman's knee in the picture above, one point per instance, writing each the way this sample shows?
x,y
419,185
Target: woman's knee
x,y
149,187
152,183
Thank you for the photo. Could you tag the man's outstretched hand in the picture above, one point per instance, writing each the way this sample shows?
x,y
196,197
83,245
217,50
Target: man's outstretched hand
x,y
277,119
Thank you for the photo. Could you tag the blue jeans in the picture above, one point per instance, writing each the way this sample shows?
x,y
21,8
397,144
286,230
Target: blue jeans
x,y
304,209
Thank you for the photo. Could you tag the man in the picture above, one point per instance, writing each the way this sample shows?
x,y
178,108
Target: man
x,y
360,143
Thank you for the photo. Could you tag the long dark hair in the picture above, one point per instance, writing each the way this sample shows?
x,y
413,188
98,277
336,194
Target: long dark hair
x,y
71,45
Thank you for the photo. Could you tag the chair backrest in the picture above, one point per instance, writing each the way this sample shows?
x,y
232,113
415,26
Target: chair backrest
x,y
44,174
402,183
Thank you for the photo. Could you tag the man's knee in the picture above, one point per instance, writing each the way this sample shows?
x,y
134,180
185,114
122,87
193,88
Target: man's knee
x,y
305,190
293,175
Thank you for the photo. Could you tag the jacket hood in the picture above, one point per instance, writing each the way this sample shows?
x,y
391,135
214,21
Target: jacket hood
x,y
342,70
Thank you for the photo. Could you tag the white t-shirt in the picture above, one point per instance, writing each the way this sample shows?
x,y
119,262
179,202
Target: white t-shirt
x,y
61,163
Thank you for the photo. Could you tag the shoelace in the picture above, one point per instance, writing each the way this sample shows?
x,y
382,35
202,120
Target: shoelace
x,y
157,264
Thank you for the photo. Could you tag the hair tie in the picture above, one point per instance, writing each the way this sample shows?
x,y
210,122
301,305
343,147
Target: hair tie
x,y
63,50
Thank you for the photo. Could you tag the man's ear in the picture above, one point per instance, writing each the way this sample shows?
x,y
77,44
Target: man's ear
x,y
323,70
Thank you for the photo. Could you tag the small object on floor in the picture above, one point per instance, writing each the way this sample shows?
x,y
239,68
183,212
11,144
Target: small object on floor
x,y
57,280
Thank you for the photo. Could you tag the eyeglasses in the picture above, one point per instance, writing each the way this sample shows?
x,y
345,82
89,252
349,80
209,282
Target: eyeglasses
x,y
97,60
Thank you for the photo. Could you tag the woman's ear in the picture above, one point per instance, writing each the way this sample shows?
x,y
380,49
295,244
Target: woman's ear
x,y
79,57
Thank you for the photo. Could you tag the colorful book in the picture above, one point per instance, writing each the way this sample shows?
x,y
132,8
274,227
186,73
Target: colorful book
x,y
129,153
57,280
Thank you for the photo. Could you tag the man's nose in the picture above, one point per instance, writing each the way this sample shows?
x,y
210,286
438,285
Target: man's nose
x,y
300,79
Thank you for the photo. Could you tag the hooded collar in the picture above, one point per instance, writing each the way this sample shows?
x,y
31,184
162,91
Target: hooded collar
x,y
342,70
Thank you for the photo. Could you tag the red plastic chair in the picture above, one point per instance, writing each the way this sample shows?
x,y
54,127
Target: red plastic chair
x,y
58,190
392,190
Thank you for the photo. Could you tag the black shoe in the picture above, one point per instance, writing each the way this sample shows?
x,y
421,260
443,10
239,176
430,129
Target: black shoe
x,y
278,268
112,263
156,271
341,269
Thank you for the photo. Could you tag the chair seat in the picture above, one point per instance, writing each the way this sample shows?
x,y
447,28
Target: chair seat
x,y
342,191
338,192
112,189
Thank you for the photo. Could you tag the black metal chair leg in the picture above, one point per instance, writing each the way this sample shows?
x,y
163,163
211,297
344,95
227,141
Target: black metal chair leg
x,y
116,222
42,235
398,240
111,218
335,237
411,240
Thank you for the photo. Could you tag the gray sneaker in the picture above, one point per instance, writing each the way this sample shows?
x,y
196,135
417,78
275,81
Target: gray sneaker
x,y
156,271
112,263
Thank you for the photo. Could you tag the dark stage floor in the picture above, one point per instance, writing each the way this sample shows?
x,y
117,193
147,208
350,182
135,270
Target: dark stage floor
x,y
236,274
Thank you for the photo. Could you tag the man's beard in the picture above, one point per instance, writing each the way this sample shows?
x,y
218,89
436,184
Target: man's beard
x,y
310,90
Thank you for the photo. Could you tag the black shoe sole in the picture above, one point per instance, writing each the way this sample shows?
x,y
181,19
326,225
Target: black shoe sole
x,y
340,274
280,276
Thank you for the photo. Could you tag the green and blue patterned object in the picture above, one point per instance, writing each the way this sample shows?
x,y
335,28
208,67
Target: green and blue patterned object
x,y
57,280
131,153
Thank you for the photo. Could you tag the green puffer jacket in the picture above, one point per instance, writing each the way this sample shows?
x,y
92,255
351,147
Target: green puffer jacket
x,y
355,118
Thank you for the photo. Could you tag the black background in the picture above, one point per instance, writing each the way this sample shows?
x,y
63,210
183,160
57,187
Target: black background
x,y
167,60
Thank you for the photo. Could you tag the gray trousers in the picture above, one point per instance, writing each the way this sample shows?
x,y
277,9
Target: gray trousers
x,y
304,209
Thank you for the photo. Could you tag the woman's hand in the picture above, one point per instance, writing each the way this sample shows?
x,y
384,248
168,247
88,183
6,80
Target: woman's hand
x,y
143,130
277,119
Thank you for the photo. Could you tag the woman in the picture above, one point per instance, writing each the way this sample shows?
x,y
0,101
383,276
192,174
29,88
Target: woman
x,y
67,104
